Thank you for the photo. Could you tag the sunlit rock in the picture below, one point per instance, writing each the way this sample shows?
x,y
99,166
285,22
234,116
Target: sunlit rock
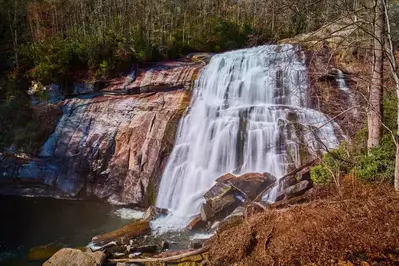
x,y
111,146
68,256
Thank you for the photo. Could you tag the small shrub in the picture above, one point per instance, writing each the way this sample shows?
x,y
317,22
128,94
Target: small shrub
x,y
335,165
379,164
320,175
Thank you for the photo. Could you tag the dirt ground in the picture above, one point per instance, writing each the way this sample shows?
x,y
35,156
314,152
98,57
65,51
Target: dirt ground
x,y
358,227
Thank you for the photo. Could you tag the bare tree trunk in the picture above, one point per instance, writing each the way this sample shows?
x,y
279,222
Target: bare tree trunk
x,y
374,116
394,70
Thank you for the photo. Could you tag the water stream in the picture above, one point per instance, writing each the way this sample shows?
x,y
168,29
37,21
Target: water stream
x,y
250,112
342,86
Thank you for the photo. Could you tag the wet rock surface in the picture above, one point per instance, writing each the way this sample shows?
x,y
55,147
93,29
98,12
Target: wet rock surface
x,y
153,213
232,191
110,146
226,201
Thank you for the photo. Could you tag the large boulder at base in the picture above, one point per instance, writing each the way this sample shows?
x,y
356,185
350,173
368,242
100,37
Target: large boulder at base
x,y
224,178
129,231
75,257
297,189
290,181
219,206
219,190
153,213
223,198
250,185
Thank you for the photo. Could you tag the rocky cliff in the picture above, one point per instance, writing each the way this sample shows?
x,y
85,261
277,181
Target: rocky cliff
x,y
111,144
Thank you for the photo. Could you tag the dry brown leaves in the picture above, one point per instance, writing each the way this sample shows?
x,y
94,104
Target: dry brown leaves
x,y
362,225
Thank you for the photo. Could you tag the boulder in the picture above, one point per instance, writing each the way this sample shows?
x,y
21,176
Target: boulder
x,y
286,183
297,189
129,231
289,181
280,195
206,212
220,204
217,191
196,223
250,185
75,257
153,213
231,191
218,207
304,174
220,201
224,178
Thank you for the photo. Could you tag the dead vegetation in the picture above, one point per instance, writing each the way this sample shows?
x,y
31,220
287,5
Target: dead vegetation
x,y
361,226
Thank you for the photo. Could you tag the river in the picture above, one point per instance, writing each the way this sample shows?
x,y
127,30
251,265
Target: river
x,y
27,223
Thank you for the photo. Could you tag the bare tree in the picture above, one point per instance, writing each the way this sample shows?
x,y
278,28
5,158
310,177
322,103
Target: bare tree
x,y
375,98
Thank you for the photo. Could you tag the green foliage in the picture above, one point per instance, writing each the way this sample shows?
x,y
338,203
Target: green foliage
x,y
335,165
20,124
54,59
320,175
379,164
376,165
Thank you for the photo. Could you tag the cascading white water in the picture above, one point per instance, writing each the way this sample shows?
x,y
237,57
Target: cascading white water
x,y
344,88
249,113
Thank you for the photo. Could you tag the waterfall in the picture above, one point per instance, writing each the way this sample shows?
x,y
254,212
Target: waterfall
x,y
250,112
344,88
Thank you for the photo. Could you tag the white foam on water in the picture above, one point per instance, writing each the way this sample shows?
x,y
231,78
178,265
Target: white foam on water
x,y
129,214
168,223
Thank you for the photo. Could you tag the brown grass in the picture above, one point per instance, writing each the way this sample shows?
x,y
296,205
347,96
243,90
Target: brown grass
x,y
362,225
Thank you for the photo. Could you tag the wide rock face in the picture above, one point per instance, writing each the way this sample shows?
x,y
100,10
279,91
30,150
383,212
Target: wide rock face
x,y
112,147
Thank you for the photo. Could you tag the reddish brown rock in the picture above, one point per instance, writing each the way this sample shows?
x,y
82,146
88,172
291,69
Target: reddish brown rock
x,y
113,147
196,223
252,184
224,178
75,257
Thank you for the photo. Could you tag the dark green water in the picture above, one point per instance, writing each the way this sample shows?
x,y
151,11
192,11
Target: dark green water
x,y
30,222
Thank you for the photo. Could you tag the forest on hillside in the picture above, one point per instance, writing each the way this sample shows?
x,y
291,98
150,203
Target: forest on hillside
x,y
54,40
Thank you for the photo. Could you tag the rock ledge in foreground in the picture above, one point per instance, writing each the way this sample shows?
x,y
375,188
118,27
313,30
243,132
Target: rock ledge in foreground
x,y
75,257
